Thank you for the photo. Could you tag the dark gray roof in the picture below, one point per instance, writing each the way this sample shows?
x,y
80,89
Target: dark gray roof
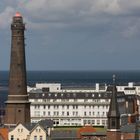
x,y
30,126
46,123
43,123
76,95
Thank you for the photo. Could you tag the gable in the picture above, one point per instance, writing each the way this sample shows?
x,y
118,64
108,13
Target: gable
x,y
19,129
38,129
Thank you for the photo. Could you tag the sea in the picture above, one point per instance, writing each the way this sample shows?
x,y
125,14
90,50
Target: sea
x,y
70,78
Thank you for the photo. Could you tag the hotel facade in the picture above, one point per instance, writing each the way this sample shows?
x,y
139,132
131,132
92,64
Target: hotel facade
x,y
76,106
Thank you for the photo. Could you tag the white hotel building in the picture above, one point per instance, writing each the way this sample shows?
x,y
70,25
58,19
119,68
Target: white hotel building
x,y
76,106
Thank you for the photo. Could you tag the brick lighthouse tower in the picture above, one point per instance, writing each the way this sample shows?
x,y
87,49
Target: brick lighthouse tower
x,y
17,105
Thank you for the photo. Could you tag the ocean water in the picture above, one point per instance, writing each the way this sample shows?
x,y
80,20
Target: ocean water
x,y
72,78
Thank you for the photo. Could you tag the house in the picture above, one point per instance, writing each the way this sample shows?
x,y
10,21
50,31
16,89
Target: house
x,y
31,131
20,132
38,133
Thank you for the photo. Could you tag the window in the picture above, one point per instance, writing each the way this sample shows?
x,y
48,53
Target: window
x,y
37,106
62,106
85,121
67,106
44,106
35,137
73,113
12,137
63,113
67,113
93,121
103,122
98,122
40,138
49,113
85,113
48,106
37,113
44,113
57,113
54,113
89,113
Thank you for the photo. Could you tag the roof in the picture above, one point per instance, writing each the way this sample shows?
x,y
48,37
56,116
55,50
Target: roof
x,y
30,126
73,95
46,123
43,123
37,126
4,133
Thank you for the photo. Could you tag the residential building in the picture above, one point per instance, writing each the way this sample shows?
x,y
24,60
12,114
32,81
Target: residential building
x,y
20,132
31,131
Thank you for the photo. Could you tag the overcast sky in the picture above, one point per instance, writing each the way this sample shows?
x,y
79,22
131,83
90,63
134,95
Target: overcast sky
x,y
75,34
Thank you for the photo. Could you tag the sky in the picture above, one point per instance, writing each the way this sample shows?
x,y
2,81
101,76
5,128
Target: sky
x,y
74,34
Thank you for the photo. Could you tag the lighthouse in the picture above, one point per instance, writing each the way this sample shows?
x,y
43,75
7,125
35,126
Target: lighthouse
x,y
17,104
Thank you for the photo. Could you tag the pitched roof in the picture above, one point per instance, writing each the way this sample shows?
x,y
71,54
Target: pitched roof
x,y
4,133
36,127
43,124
